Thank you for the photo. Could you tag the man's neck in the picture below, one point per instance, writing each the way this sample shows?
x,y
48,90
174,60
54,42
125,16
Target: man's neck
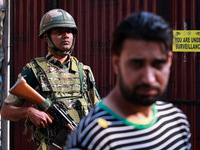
x,y
61,58
134,113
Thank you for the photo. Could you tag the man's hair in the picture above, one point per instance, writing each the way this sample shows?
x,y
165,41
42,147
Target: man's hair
x,y
142,26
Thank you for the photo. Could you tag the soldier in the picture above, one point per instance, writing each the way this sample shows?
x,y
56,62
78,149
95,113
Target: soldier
x,y
58,77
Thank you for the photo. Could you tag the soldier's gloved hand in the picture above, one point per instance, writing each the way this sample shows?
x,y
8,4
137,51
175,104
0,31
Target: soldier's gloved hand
x,y
39,118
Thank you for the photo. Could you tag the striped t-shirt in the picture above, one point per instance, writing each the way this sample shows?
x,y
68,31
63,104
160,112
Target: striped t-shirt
x,y
103,129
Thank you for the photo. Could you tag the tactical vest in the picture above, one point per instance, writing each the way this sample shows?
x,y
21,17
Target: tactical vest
x,y
68,85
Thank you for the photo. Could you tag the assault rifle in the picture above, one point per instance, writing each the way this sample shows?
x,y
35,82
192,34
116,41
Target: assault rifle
x,y
55,110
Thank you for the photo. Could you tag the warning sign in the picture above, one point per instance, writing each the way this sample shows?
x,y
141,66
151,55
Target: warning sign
x,y
186,41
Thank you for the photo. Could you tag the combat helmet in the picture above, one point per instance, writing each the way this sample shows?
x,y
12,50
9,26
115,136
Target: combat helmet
x,y
57,18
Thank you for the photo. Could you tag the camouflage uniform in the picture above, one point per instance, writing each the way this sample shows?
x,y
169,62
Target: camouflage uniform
x,y
78,102
71,84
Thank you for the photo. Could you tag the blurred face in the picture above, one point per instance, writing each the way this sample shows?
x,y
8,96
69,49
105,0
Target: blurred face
x,y
62,38
143,71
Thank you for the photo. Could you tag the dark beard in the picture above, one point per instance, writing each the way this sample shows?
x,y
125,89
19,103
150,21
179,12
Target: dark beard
x,y
135,98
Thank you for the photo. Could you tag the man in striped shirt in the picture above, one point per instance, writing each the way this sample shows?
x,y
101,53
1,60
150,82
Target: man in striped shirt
x,y
131,115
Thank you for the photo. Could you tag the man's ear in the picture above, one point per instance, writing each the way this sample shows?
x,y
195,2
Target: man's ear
x,y
45,37
170,56
115,61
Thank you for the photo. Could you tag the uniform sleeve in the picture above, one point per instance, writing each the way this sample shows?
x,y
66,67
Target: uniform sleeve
x,y
92,92
29,76
14,100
